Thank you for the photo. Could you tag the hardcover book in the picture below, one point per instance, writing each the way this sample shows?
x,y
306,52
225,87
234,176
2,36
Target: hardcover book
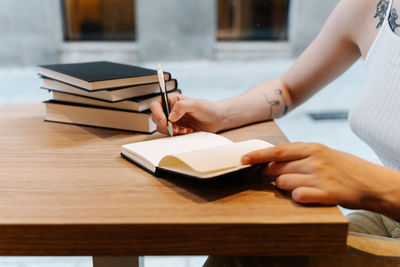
x,y
200,154
88,115
140,103
111,95
100,75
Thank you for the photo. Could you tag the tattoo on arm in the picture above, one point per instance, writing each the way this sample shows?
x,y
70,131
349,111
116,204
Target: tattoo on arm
x,y
393,19
380,13
286,107
277,103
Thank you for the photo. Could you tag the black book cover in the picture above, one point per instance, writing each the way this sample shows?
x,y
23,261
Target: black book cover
x,y
107,89
100,70
251,171
133,99
98,127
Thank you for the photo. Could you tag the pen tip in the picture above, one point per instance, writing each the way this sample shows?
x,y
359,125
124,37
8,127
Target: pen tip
x,y
170,129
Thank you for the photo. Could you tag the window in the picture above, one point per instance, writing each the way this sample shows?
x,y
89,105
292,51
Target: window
x,y
108,20
253,20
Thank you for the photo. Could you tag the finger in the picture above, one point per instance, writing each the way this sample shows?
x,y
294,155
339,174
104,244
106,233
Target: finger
x,y
286,152
181,107
158,115
282,167
278,153
174,97
313,195
180,130
157,109
293,181
282,143
162,129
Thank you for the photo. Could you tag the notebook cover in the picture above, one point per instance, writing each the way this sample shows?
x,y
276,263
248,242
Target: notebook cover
x,y
245,170
157,174
251,170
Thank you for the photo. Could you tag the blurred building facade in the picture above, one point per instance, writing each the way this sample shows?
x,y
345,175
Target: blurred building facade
x,y
50,31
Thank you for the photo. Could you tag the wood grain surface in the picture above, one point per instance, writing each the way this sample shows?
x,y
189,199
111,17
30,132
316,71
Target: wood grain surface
x,y
65,190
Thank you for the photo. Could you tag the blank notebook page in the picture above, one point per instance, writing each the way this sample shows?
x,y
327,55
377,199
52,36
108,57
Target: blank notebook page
x,y
154,150
215,158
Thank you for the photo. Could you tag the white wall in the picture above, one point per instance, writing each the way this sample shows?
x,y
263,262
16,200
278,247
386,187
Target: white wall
x,y
30,31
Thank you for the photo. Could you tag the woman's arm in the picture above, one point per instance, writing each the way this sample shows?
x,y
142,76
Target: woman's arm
x,y
333,51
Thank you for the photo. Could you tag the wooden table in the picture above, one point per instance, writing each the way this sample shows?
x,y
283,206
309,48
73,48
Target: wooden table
x,y
65,190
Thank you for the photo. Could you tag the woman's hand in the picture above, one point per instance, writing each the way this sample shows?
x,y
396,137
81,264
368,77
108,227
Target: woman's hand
x,y
187,115
317,174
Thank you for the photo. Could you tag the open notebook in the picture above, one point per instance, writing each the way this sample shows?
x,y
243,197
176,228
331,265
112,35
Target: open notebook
x,y
200,154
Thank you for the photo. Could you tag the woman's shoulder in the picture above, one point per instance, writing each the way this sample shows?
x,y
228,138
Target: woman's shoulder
x,y
365,18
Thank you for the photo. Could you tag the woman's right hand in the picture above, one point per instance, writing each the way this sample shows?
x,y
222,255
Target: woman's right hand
x,y
187,115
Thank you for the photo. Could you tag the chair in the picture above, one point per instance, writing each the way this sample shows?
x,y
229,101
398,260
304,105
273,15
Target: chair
x,y
362,250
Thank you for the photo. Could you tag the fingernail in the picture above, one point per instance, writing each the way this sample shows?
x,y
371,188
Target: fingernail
x,y
245,160
162,122
173,116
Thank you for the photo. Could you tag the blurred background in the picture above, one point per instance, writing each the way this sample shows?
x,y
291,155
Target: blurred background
x,y
132,31
215,48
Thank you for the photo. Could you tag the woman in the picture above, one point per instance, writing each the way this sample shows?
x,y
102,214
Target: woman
x,y
312,172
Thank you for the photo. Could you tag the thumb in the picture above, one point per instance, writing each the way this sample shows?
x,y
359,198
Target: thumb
x,y
182,107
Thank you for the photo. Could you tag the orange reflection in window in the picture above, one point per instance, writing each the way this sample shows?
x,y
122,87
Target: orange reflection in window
x,y
252,19
99,19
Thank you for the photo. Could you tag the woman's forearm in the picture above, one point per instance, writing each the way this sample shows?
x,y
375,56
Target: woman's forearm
x,y
384,196
263,101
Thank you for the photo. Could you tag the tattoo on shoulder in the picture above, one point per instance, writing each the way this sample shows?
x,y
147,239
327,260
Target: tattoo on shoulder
x,y
273,102
380,13
393,19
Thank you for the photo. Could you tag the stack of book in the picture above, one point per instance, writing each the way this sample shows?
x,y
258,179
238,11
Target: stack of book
x,y
103,94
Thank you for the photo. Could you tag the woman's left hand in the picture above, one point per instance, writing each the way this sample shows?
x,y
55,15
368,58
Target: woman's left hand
x,y
318,174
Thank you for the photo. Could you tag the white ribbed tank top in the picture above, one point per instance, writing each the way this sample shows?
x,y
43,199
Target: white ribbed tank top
x,y
375,117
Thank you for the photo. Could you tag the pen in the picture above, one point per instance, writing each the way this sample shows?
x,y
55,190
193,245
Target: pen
x,y
164,98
